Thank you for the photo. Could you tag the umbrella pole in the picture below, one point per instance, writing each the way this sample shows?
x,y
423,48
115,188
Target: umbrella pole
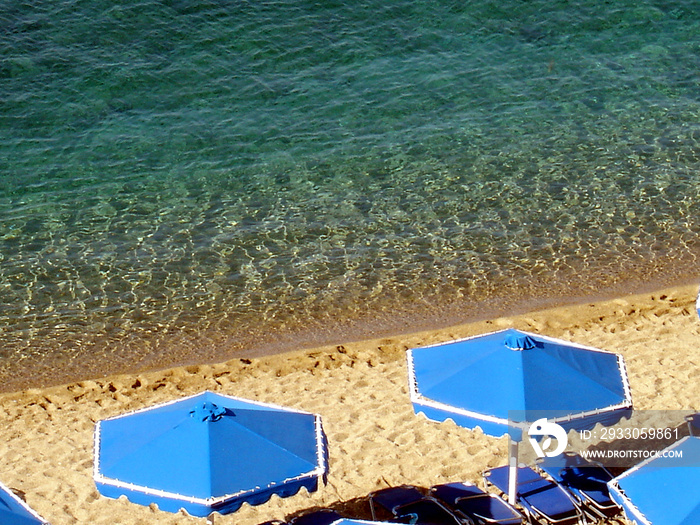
x,y
512,470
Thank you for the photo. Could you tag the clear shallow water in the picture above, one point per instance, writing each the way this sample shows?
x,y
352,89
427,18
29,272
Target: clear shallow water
x,y
190,181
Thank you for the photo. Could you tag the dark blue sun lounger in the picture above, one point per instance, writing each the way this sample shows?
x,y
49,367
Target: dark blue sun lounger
x,y
540,498
586,481
478,506
316,517
407,504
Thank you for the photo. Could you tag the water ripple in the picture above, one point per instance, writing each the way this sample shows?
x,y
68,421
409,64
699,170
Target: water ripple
x,y
186,181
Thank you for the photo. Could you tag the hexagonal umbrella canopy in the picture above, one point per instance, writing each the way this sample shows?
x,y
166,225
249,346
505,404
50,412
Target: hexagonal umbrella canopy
x,y
664,489
14,511
506,379
209,453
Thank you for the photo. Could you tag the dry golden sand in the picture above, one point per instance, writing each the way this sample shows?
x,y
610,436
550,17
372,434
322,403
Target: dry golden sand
x,y
360,389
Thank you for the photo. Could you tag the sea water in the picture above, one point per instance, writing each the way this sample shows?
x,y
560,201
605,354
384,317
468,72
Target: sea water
x,y
193,180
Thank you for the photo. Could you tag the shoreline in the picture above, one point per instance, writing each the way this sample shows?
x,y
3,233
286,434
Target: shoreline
x,y
75,360
359,389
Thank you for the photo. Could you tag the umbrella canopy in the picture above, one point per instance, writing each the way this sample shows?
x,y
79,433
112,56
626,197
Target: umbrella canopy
x,y
664,490
209,453
14,511
511,378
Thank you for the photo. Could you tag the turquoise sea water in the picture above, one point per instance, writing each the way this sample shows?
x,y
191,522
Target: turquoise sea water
x,y
186,181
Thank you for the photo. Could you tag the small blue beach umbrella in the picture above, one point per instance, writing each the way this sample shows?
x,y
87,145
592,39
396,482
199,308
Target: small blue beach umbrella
x,y
209,453
663,490
504,381
14,511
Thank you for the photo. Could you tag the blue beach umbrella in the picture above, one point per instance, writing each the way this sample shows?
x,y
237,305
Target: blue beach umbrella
x,y
209,453
663,490
504,381
14,511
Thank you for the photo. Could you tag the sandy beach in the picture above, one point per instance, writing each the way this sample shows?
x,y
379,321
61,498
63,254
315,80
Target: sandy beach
x,y
359,389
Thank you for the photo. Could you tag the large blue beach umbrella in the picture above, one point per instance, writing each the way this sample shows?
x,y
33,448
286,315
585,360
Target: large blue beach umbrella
x,y
662,490
209,453
504,381
14,511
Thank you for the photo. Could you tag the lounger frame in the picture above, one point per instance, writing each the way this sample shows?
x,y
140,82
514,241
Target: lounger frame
x,y
534,513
